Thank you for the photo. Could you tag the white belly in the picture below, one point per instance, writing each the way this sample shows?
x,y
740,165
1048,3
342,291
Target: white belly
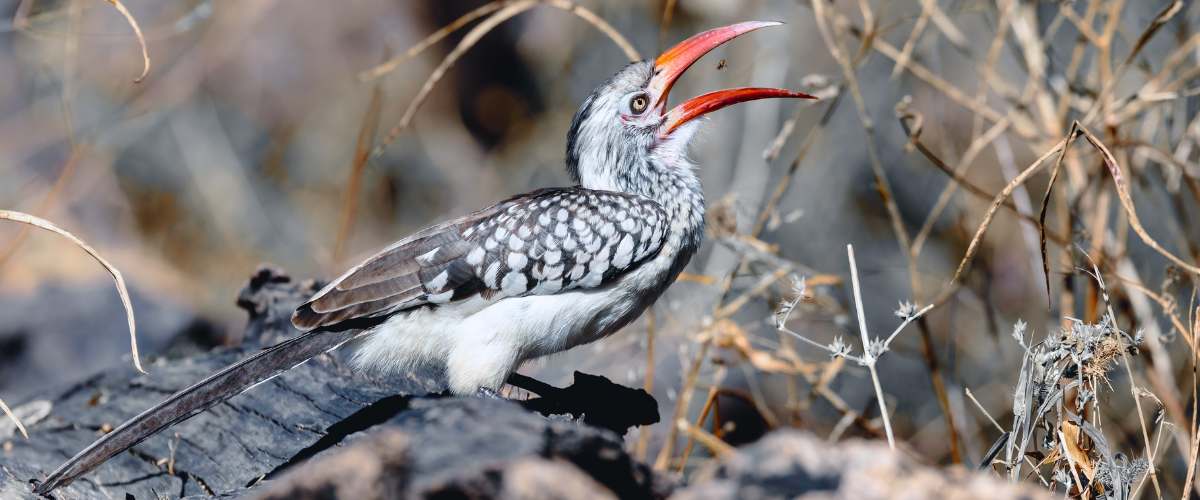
x,y
478,342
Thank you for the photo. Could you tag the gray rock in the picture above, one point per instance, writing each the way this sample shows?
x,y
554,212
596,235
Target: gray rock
x,y
472,448
793,464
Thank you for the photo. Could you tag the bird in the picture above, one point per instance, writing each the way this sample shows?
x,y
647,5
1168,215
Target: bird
x,y
533,275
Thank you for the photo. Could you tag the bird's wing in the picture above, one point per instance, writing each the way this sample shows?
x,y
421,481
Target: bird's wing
x,y
539,243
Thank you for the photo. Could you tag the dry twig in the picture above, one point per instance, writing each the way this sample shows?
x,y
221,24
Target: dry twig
x,y
141,39
16,421
118,280
509,10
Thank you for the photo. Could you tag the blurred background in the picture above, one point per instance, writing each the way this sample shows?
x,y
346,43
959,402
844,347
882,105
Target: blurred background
x,y
249,141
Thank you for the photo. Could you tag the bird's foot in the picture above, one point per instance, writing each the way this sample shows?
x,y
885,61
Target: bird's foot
x,y
488,393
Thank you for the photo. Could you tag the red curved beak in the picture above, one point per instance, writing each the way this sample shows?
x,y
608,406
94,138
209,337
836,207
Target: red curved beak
x,y
712,101
670,65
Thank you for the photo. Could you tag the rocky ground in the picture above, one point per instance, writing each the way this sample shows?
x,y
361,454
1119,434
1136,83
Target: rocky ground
x,y
321,431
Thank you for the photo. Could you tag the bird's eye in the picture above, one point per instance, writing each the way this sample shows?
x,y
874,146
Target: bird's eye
x,y
638,103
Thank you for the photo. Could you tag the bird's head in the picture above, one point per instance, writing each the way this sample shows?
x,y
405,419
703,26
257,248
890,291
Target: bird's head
x,y
624,130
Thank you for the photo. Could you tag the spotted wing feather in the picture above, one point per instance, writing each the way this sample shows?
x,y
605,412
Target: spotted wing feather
x,y
540,243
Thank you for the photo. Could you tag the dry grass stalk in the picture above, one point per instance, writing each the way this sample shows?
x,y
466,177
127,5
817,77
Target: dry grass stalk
x,y
643,442
714,444
141,39
960,171
683,402
1189,480
785,183
870,358
1111,348
600,24
909,120
1046,203
509,10
469,40
47,201
13,417
973,246
433,38
1118,179
929,11
358,166
118,280
710,402
667,15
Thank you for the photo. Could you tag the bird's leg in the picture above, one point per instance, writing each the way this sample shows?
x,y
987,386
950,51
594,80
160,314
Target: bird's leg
x,y
533,385
521,382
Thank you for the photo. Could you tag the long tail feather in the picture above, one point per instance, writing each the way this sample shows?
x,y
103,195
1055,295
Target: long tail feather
x,y
225,384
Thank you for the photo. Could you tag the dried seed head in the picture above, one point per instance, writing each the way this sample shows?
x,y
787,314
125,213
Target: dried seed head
x,y
876,348
1018,331
838,348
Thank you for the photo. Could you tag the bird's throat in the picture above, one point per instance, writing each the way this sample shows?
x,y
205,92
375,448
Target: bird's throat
x,y
675,186
669,180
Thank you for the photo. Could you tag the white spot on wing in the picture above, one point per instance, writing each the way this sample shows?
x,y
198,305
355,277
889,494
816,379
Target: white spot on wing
x,y
517,261
603,256
475,258
440,298
427,257
438,282
624,252
514,283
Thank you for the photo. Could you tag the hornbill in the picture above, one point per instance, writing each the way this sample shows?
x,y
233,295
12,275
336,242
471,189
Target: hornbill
x,y
533,275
